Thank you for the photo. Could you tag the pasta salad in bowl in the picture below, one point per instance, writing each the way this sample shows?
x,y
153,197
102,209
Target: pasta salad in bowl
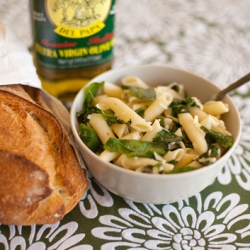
x,y
147,128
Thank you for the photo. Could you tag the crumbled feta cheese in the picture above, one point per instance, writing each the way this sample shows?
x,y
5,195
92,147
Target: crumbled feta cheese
x,y
178,132
209,159
198,102
196,119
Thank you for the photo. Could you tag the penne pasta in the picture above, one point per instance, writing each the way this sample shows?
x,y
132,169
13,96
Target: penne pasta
x,y
112,90
215,107
195,134
101,127
175,155
166,166
125,113
195,164
158,106
133,81
109,156
134,162
98,99
139,105
152,134
135,135
185,160
165,89
120,129
196,111
221,130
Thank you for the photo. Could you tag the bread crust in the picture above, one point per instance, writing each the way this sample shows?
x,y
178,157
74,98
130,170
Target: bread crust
x,y
32,140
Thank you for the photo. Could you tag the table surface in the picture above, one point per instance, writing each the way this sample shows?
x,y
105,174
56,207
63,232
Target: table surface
x,y
210,38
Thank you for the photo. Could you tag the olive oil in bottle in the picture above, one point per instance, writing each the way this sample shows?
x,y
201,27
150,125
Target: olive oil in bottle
x,y
73,41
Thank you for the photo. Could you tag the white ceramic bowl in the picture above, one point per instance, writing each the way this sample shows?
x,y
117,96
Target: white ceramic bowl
x,y
149,188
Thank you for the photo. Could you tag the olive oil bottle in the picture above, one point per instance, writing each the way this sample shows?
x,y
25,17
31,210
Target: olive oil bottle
x,y
73,41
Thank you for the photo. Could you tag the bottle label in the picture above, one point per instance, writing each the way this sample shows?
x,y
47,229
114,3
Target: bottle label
x,y
73,34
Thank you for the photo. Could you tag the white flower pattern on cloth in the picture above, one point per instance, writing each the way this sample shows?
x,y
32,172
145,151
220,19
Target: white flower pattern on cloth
x,y
238,165
179,226
155,20
210,38
46,233
195,36
212,49
97,195
224,12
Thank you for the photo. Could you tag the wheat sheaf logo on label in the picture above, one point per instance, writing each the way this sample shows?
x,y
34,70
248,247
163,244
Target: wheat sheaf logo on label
x,y
78,18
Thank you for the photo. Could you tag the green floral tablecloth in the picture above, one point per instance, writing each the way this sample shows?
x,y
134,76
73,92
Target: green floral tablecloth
x,y
210,38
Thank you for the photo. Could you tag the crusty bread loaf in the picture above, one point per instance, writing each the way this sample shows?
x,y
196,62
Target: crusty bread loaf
x,y
41,179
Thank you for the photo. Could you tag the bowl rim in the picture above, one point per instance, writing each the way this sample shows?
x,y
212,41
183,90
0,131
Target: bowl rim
x,y
146,175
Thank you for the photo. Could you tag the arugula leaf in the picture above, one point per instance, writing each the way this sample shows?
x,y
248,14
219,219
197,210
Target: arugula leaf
x,y
180,106
90,93
89,137
173,162
134,148
166,137
141,111
176,88
181,170
111,119
225,141
175,126
107,114
206,159
149,169
186,140
161,118
82,116
141,93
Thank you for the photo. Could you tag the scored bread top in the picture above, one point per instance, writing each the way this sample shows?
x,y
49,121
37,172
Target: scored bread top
x,y
30,135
